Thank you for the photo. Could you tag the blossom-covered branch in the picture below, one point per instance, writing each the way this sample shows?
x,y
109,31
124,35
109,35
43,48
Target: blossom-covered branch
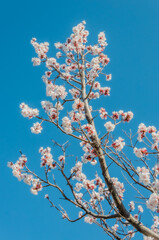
x,y
71,81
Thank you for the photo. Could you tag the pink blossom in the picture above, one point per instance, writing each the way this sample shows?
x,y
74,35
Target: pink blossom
x,y
140,208
47,196
26,111
36,61
46,158
118,186
89,219
118,144
102,39
115,227
104,91
156,169
109,126
108,77
61,158
90,131
140,152
127,116
37,128
132,205
144,175
41,49
103,113
153,202
96,86
142,129
78,105
66,123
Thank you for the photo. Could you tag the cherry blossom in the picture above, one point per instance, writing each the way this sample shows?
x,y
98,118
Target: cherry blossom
x,y
103,113
118,144
41,49
144,175
37,128
89,219
104,91
61,158
66,123
156,169
28,112
36,187
153,201
115,227
108,77
127,116
140,208
36,61
119,187
132,205
142,129
141,152
109,126
47,158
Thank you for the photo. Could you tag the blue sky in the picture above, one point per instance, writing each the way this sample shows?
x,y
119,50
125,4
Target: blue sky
x,y
132,32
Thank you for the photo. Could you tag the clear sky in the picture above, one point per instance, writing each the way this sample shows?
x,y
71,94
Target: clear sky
x,y
132,31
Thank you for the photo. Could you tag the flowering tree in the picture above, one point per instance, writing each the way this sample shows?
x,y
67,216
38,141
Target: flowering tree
x,y
73,86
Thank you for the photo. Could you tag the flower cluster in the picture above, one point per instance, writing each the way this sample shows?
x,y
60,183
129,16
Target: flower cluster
x,y
89,219
104,91
142,130
126,116
155,185
118,144
109,126
119,187
18,166
37,128
115,227
102,39
155,137
94,187
41,50
155,225
17,169
28,112
74,92
47,158
78,111
46,105
153,202
132,205
78,105
66,124
54,91
89,157
37,186
103,113
76,172
77,40
140,152
89,129
144,175
156,169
